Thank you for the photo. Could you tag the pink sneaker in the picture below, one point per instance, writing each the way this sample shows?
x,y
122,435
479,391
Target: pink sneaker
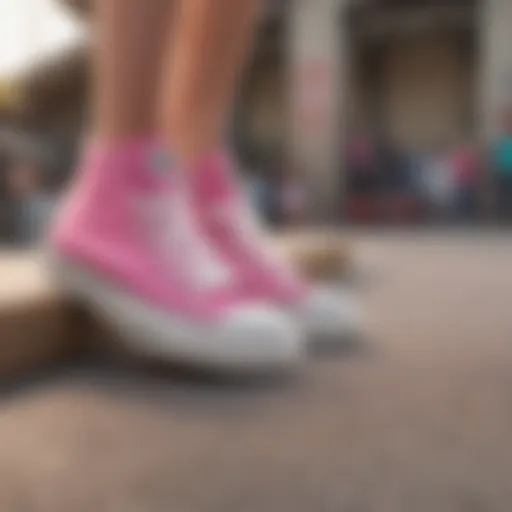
x,y
127,242
233,226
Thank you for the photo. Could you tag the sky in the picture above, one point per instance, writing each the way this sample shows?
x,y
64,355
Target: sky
x,y
29,29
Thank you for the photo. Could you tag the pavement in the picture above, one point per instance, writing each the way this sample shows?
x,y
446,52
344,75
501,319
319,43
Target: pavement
x,y
416,418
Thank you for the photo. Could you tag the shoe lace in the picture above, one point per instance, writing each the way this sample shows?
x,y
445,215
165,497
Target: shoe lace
x,y
246,226
175,232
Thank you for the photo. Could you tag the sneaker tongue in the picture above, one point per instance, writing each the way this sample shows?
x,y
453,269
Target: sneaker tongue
x,y
125,164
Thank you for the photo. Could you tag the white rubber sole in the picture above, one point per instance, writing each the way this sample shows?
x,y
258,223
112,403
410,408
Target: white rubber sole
x,y
330,317
266,340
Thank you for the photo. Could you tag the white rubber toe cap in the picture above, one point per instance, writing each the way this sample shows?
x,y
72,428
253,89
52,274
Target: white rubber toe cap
x,y
260,337
330,314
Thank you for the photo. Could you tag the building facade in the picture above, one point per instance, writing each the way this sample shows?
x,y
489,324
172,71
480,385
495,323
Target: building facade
x,y
423,73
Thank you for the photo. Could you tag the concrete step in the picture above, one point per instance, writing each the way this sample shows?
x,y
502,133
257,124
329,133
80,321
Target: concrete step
x,y
39,327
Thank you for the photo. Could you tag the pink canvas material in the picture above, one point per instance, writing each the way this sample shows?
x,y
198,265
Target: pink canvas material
x,y
228,220
102,228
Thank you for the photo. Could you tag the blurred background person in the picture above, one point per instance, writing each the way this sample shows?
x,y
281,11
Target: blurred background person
x,y
33,202
260,192
438,183
501,158
362,164
292,194
362,168
467,171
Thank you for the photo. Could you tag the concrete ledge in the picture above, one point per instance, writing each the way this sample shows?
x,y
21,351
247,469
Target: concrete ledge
x,y
39,327
35,323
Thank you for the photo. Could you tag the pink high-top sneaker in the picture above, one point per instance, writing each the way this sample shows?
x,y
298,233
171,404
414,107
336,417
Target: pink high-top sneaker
x,y
232,225
127,243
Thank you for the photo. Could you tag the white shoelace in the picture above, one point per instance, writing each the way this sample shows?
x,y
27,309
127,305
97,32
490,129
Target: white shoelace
x,y
175,232
247,226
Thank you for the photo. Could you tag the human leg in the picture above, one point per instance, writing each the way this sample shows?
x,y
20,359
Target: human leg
x,y
204,68
126,240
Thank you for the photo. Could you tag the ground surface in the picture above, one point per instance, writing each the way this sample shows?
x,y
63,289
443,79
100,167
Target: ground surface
x,y
420,420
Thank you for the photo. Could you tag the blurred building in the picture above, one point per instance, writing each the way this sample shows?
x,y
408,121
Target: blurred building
x,y
422,73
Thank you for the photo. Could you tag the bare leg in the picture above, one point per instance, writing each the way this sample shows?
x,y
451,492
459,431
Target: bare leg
x,y
128,240
213,38
130,36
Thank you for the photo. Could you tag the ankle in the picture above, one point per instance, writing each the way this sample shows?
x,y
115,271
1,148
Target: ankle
x,y
190,146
